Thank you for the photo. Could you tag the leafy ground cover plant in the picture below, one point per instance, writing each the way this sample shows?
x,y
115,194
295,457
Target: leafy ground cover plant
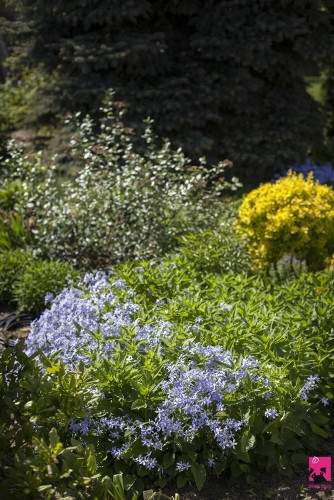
x,y
219,250
12,264
25,280
13,232
39,281
292,216
172,378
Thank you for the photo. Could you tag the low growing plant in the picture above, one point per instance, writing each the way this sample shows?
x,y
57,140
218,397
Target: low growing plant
x,y
25,280
40,280
220,250
13,231
12,265
171,389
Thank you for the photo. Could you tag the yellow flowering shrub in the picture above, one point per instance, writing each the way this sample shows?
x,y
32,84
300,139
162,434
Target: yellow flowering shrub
x,y
291,216
329,261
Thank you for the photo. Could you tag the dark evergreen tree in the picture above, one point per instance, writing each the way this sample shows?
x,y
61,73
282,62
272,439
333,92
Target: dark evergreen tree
x,y
222,78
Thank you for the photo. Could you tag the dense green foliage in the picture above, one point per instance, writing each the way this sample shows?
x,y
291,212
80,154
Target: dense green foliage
x,y
287,327
199,341
12,265
222,79
39,279
25,281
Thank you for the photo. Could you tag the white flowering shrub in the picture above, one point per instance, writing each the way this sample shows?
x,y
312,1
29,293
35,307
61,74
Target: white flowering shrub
x,y
123,202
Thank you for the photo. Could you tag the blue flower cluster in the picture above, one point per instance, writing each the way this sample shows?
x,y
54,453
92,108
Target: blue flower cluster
x,y
271,413
76,314
196,388
323,173
310,384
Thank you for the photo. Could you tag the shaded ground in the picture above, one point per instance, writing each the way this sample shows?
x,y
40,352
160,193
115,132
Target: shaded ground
x,y
17,333
269,487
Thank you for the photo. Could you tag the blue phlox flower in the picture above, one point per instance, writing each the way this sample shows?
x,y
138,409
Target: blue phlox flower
x,y
271,413
82,427
147,461
119,284
49,297
182,466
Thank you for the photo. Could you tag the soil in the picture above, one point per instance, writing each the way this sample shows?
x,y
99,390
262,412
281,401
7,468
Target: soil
x,y
18,333
264,488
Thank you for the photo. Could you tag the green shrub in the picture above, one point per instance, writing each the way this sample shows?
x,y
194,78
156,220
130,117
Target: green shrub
x,y
218,251
13,231
121,203
10,194
39,279
12,266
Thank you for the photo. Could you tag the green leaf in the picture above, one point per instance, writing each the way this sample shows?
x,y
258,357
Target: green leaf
x,y
54,438
319,431
247,441
167,460
235,469
283,462
129,480
199,474
299,458
181,480
91,463
276,439
219,467
138,404
320,419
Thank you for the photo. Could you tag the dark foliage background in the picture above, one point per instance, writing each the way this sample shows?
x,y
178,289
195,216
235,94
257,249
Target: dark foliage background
x,y
223,79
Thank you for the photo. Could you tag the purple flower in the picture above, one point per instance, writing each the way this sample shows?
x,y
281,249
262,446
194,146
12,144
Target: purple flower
x,y
119,284
322,173
325,401
310,384
82,427
182,466
147,461
49,297
117,452
271,413
67,329
160,302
